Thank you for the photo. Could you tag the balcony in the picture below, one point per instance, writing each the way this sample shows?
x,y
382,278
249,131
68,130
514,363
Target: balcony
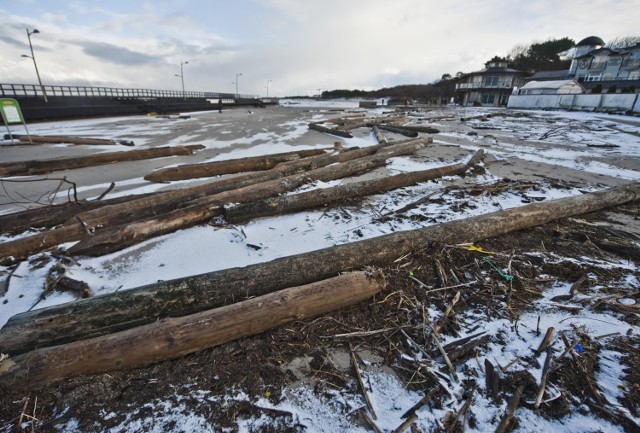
x,y
504,84
630,64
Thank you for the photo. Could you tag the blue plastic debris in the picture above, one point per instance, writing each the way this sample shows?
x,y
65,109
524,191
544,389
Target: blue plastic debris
x,y
579,348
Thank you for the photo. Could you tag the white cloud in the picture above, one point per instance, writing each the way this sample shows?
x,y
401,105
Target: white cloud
x,y
300,45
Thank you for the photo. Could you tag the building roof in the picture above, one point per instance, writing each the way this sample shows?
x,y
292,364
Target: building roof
x,y
549,75
554,84
591,40
597,51
494,71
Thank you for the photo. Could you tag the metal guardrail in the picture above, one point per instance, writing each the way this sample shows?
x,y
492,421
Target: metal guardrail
x,y
22,90
499,85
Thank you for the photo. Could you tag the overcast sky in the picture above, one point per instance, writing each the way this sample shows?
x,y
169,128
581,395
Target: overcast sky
x,y
297,46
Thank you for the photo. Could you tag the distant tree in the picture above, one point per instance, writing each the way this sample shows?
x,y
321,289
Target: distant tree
x,y
446,77
542,56
517,51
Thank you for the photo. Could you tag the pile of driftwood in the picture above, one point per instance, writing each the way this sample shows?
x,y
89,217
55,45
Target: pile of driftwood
x,y
172,318
93,335
105,226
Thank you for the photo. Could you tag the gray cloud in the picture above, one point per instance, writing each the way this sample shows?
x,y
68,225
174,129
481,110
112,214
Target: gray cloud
x,y
118,55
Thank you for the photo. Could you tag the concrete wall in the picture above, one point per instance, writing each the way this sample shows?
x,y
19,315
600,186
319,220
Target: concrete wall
x,y
590,102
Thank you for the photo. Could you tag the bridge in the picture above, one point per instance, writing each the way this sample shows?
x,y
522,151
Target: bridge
x,y
60,102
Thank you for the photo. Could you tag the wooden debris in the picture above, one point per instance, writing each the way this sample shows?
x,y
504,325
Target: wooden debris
x,y
53,215
545,375
492,380
417,128
25,168
379,135
128,208
204,208
462,413
117,311
369,420
510,411
465,349
217,168
399,130
176,337
424,400
363,388
284,204
587,377
405,424
546,340
443,320
436,339
212,198
331,131
54,139
575,287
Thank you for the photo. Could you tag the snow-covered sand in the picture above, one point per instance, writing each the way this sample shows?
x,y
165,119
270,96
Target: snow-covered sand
x,y
590,151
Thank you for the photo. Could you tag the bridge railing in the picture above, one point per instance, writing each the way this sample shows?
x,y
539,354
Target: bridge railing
x,y
22,90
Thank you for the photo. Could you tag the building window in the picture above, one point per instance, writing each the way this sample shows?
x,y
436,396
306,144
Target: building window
x,y
491,81
488,98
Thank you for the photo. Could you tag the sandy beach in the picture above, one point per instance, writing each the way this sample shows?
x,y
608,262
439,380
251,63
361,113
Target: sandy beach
x,y
577,276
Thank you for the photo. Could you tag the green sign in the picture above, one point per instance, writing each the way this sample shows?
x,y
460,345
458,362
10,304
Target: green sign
x,y
10,110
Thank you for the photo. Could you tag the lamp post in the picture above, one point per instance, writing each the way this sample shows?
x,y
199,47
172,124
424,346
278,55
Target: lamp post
x,y
236,83
268,87
33,57
184,96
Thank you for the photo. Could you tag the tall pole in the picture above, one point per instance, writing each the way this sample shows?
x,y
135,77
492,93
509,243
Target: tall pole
x,y
184,95
268,87
237,75
33,57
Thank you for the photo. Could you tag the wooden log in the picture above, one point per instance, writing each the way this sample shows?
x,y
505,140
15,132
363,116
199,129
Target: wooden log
x,y
354,124
548,336
176,337
169,200
284,204
161,203
217,168
476,158
492,380
331,131
418,128
460,352
53,215
379,135
117,311
204,208
72,140
510,411
25,168
399,130
544,377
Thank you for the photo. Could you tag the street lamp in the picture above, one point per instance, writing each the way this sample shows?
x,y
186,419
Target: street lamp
x,y
268,87
33,57
236,83
184,96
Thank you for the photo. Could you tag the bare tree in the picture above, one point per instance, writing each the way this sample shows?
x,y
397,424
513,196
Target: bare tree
x,y
623,42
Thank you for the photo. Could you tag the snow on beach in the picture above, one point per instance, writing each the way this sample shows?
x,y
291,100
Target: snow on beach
x,y
595,146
